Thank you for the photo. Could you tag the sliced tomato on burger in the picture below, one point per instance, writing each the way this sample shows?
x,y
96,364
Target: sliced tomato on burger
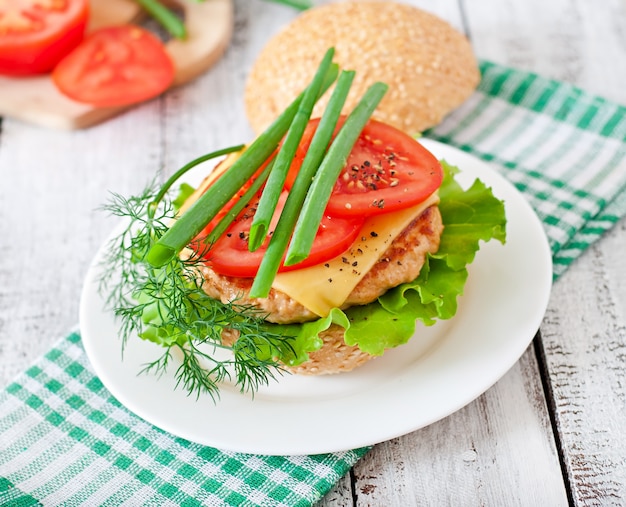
x,y
230,256
36,34
387,170
115,66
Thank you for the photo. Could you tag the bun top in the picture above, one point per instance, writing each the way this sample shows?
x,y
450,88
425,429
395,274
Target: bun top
x,y
429,66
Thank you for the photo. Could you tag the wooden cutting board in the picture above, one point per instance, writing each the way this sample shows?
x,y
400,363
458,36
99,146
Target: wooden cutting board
x,y
36,99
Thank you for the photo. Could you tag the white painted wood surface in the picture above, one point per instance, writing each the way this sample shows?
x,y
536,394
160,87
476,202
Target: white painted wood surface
x,y
552,431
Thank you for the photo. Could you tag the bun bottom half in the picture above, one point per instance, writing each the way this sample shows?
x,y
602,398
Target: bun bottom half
x,y
334,356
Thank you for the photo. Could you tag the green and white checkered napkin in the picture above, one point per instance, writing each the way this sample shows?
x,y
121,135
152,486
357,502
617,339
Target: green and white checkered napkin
x,y
66,441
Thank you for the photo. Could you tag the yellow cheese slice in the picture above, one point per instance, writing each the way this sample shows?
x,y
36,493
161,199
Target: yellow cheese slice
x,y
325,286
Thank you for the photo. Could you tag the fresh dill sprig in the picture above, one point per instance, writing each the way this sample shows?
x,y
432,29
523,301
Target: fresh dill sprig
x,y
168,306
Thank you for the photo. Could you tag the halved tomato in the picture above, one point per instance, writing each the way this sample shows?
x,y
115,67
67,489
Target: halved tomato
x,y
387,170
115,66
230,255
36,34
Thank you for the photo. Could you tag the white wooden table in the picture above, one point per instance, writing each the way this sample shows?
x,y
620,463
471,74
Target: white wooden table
x,y
552,431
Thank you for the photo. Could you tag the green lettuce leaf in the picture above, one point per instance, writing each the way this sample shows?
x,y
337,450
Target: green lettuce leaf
x,y
184,192
469,216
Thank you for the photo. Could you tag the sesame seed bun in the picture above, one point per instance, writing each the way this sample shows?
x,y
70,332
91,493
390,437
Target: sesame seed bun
x,y
429,66
334,356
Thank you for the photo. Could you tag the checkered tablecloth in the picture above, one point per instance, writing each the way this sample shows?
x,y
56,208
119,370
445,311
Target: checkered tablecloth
x,y
64,440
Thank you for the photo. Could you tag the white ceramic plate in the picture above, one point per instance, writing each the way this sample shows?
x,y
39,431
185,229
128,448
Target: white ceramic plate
x,y
440,370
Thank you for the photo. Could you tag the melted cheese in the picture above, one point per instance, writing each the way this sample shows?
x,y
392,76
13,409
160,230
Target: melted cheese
x,y
322,287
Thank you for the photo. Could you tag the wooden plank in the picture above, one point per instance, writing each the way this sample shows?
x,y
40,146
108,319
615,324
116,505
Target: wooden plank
x,y
52,184
580,43
341,495
496,451
584,331
585,348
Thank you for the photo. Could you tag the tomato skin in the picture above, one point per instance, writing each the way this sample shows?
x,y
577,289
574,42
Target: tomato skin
x,y
229,256
115,66
47,35
386,171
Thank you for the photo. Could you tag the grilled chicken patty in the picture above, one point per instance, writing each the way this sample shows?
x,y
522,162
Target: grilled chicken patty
x,y
400,263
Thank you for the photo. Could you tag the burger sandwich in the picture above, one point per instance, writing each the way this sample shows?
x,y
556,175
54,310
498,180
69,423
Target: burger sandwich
x,y
312,250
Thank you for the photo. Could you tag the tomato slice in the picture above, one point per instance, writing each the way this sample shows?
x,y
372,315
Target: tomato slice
x,y
387,170
115,66
230,256
36,34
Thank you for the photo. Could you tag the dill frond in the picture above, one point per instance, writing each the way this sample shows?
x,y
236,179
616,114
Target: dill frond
x,y
167,306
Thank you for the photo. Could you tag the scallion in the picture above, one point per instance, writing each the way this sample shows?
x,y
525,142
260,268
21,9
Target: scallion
x,y
297,4
319,193
238,207
285,156
186,168
165,17
280,238
215,198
